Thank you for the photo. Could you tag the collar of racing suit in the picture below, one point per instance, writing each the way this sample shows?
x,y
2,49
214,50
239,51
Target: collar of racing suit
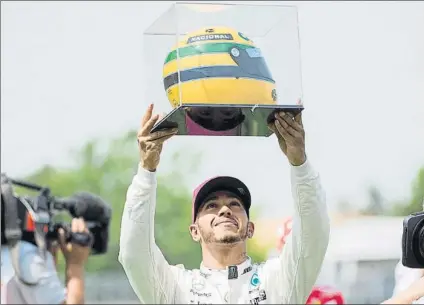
x,y
231,272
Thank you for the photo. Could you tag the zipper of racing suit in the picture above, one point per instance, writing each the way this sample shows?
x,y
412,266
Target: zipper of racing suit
x,y
227,298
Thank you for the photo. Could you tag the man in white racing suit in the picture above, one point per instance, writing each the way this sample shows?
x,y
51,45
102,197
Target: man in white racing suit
x,y
221,225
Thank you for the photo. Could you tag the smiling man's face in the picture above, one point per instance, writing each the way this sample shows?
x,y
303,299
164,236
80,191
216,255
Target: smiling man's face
x,y
222,219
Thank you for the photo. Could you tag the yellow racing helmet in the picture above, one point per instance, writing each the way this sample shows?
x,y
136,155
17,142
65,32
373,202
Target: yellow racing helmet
x,y
217,65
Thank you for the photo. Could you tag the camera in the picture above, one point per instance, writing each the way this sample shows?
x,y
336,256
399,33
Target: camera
x,y
31,219
413,241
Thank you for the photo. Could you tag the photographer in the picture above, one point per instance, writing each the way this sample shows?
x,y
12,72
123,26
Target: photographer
x,y
409,273
39,282
405,277
31,236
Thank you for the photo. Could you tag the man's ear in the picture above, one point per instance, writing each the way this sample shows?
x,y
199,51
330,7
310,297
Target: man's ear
x,y
250,229
194,232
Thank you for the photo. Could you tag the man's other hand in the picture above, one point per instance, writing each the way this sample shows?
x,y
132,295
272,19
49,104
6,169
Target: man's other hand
x,y
291,136
150,144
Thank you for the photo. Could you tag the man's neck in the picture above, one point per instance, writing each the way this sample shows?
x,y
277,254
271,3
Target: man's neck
x,y
219,257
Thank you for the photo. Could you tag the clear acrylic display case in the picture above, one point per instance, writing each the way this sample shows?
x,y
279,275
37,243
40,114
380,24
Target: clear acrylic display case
x,y
223,69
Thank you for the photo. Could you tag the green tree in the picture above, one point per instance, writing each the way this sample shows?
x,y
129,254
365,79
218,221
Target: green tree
x,y
106,169
416,201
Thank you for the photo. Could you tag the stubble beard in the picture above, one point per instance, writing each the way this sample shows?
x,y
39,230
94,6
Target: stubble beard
x,y
209,238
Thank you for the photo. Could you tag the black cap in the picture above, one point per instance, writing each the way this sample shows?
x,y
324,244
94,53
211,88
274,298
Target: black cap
x,y
221,183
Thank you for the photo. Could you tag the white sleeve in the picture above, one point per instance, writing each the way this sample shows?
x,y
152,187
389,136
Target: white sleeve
x,y
47,287
151,277
405,277
296,269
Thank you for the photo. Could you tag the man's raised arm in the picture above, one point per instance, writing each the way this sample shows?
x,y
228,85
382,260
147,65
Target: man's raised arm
x,y
299,264
152,278
303,255
149,274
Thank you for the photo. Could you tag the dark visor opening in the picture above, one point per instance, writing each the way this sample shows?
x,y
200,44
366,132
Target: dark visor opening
x,y
216,119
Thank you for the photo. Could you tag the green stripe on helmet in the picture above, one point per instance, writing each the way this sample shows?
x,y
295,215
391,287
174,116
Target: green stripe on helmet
x,y
206,48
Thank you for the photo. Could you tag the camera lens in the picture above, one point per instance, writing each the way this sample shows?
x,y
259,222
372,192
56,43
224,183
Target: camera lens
x,y
421,242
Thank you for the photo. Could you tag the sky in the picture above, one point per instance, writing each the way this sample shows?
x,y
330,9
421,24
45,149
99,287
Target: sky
x,y
73,71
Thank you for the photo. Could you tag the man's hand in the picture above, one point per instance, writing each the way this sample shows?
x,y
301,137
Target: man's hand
x,y
291,136
410,295
73,253
150,144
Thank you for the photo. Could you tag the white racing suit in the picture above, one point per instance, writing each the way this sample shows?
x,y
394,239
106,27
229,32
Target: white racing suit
x,y
405,277
287,279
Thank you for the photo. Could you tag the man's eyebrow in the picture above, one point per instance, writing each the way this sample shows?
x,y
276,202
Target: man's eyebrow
x,y
216,197
235,199
211,198
206,201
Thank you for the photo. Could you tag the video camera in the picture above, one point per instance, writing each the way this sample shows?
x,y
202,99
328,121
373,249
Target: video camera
x,y
31,218
413,241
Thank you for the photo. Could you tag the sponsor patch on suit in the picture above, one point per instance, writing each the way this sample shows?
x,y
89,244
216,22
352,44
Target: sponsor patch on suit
x,y
261,297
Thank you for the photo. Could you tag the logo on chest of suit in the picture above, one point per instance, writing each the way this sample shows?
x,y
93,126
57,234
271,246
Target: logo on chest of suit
x,y
232,272
205,275
254,280
248,269
201,294
198,284
261,297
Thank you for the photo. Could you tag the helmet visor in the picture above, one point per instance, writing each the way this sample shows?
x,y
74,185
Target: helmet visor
x,y
251,62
